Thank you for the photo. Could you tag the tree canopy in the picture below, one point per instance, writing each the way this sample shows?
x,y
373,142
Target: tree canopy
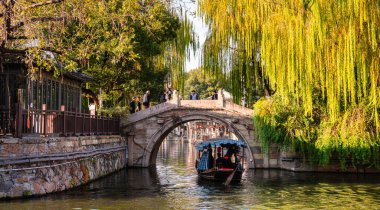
x,y
115,41
321,56
204,84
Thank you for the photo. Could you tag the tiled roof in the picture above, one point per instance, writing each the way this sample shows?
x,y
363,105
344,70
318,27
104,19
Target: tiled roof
x,y
78,75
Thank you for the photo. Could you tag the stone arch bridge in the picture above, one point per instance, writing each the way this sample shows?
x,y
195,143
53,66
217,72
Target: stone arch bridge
x,y
145,130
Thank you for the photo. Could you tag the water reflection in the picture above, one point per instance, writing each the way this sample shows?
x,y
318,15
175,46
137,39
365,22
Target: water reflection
x,y
174,184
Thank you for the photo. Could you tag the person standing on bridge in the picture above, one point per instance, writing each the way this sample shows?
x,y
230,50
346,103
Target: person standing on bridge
x,y
138,104
169,93
214,96
146,99
194,95
163,97
132,105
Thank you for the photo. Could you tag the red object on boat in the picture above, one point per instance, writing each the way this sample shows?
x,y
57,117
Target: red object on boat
x,y
225,169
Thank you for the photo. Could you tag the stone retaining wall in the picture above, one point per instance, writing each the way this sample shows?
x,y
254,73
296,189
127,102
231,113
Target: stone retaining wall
x,y
37,146
37,166
279,158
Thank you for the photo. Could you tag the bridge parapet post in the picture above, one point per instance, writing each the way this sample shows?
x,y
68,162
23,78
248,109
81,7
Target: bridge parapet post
x,y
221,99
176,100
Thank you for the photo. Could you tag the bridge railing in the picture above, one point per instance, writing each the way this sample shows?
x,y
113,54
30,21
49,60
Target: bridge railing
x,y
237,108
201,104
177,103
153,110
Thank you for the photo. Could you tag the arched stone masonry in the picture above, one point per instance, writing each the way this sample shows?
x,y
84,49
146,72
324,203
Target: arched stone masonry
x,y
145,130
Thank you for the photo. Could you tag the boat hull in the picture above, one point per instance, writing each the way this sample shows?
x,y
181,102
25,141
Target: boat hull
x,y
220,175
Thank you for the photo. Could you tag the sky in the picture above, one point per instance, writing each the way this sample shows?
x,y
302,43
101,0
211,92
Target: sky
x,y
200,30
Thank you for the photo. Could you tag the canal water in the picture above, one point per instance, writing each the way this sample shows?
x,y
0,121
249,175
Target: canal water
x,y
174,184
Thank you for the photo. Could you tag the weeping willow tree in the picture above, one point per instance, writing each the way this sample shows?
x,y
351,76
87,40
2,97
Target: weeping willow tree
x,y
176,53
323,56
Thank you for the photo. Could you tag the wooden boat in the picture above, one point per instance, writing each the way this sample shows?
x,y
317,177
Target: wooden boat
x,y
228,161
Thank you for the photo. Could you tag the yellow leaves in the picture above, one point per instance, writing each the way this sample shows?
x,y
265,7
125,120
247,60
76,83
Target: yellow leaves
x,y
332,46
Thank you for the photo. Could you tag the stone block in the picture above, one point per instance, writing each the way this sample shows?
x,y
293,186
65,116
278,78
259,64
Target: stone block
x,y
5,185
256,150
10,141
258,156
140,125
17,191
273,162
259,163
140,131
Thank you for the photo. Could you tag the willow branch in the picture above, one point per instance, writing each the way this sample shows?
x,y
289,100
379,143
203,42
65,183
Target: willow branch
x,y
17,37
51,50
44,3
40,19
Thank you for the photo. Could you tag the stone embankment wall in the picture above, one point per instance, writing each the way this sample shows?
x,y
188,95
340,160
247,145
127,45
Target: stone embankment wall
x,y
36,166
280,158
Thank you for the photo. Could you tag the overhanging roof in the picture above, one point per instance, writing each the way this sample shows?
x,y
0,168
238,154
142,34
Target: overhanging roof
x,y
78,75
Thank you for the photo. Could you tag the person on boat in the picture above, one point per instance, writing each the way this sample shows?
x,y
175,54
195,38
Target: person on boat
x,y
220,161
210,158
227,162
206,161
230,157
202,164
232,151
238,160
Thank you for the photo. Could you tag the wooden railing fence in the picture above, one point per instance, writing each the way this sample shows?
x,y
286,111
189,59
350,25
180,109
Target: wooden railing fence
x,y
55,123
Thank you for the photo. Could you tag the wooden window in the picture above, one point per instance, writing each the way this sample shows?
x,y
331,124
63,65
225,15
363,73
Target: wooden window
x,y
54,95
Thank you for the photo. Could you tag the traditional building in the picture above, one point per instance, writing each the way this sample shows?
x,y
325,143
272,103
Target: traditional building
x,y
35,104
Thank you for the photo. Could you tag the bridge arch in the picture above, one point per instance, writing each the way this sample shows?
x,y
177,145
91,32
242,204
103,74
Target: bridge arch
x,y
150,153
145,130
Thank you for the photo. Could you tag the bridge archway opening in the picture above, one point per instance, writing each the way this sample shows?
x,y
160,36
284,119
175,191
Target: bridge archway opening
x,y
158,138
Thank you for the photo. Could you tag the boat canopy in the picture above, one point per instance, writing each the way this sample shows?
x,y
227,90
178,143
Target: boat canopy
x,y
219,143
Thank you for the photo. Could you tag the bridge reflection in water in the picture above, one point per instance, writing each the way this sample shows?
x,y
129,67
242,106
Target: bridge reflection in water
x,y
174,184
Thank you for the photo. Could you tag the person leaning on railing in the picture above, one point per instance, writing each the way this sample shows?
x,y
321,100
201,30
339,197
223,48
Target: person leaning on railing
x,y
194,95
146,99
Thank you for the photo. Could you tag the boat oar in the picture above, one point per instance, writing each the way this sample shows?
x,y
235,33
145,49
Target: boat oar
x,y
229,178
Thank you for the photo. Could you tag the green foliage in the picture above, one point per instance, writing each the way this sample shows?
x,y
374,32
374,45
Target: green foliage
x,y
204,84
115,111
27,193
122,44
352,136
284,123
298,46
319,56
177,52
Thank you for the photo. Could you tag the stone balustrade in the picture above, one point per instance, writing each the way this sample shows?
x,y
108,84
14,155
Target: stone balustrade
x,y
178,103
237,108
